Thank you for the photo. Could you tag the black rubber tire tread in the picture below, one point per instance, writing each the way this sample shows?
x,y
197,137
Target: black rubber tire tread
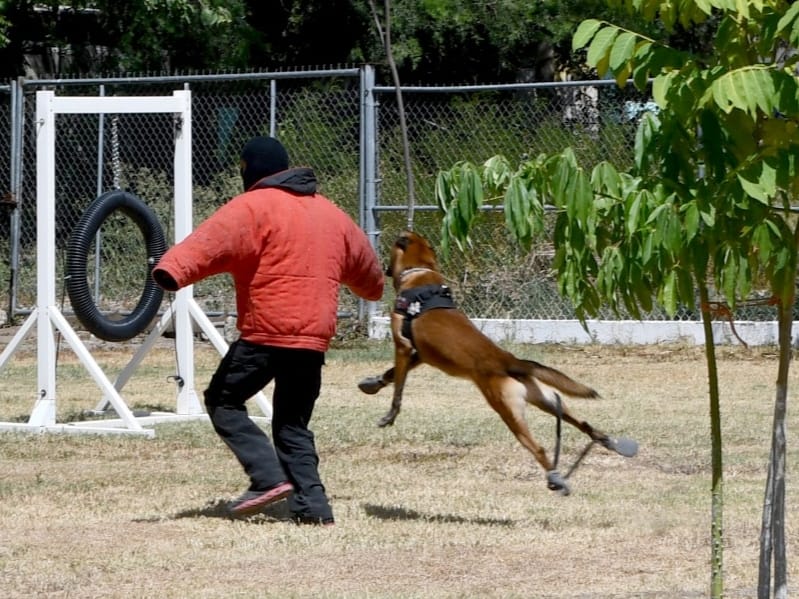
x,y
77,256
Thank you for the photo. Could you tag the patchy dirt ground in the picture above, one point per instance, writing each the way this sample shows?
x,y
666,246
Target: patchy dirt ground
x,y
443,504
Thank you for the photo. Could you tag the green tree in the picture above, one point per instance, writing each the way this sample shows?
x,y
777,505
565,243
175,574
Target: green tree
x,y
436,41
466,41
174,35
707,206
133,35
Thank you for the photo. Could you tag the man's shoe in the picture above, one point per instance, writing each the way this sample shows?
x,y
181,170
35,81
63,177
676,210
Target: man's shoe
x,y
300,519
252,502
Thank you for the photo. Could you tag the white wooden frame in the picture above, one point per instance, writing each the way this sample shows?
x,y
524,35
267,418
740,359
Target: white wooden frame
x,y
48,317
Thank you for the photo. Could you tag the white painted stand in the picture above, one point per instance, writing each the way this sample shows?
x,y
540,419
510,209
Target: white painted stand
x,y
47,315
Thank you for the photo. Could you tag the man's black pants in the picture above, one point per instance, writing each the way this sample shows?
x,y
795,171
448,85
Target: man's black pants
x,y
244,371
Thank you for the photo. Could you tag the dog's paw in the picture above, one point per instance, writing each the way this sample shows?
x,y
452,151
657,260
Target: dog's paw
x,y
371,385
555,482
387,420
623,446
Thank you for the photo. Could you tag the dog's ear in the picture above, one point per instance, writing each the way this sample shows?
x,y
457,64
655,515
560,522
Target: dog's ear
x,y
402,242
400,245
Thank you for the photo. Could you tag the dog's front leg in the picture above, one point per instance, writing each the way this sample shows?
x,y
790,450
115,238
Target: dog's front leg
x,y
404,360
372,384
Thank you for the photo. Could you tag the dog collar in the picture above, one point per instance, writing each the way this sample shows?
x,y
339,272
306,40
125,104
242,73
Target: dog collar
x,y
416,269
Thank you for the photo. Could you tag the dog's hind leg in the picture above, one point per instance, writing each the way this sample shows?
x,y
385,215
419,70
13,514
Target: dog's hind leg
x,y
548,403
508,397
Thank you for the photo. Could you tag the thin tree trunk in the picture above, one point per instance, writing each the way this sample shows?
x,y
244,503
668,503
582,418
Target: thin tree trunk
x,y
717,487
385,38
772,533
766,540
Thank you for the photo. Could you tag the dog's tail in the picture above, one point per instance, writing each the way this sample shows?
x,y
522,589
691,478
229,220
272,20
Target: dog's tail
x,y
552,378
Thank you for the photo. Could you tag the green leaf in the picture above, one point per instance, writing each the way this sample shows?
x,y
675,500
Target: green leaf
x,y
672,232
786,164
657,212
582,197
728,276
749,89
647,248
761,239
622,51
641,65
605,180
443,190
705,6
669,293
763,185
647,130
691,220
743,280
475,185
633,212
517,211
787,91
789,19
496,173
562,173
622,75
601,45
685,286
766,37
585,32
467,201
709,216
661,85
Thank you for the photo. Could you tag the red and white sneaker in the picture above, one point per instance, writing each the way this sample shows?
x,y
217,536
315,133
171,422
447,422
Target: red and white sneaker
x,y
252,502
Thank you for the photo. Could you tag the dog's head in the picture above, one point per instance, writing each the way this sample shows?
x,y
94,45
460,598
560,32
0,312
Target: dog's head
x,y
410,250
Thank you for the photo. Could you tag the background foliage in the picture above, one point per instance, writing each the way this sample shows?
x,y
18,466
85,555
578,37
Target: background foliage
x,y
435,41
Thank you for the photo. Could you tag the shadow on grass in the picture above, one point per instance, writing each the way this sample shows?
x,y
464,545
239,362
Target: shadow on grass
x,y
400,513
280,513
220,508
214,509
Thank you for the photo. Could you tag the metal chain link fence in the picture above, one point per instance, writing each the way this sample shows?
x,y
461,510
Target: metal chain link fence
x,y
320,117
494,278
96,153
7,200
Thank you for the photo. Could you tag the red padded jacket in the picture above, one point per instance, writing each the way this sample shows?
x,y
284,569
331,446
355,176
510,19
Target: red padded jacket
x,y
288,249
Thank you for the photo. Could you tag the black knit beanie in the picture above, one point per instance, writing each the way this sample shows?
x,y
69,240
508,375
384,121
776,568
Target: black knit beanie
x,y
261,157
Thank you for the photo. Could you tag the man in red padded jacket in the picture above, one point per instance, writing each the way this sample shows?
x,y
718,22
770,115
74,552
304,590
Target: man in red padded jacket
x,y
288,249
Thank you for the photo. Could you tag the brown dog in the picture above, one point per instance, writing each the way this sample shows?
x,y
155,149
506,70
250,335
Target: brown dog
x,y
428,329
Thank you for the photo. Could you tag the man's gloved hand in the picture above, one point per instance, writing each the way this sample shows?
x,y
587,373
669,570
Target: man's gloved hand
x,y
165,280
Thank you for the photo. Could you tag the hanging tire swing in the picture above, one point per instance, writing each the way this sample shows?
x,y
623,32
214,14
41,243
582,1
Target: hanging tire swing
x,y
77,256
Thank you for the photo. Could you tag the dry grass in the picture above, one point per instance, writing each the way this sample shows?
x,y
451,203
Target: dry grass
x,y
444,504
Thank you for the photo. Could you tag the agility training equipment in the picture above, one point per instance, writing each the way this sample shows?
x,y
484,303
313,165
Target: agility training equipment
x,y
47,317
77,253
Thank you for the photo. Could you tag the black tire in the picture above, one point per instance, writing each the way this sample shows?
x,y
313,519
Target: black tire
x,y
77,256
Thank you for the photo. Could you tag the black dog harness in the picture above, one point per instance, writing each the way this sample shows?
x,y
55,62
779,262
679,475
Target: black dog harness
x,y
417,300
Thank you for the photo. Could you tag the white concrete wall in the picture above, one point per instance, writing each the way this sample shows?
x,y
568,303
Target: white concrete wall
x,y
625,332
